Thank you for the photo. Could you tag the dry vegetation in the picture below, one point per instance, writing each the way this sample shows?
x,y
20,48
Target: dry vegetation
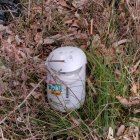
x,y
109,33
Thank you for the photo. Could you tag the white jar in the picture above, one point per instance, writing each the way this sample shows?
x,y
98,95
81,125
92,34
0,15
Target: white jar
x,y
66,78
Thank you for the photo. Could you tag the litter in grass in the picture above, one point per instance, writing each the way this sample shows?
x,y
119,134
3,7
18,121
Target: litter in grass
x,y
66,78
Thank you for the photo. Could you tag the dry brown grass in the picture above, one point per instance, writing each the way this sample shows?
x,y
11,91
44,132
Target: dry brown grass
x,y
108,32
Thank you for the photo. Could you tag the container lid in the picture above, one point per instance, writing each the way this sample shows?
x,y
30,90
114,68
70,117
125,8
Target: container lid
x,y
66,59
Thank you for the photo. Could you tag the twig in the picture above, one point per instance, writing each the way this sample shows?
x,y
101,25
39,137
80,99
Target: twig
x,y
17,107
29,10
138,51
2,98
91,27
118,43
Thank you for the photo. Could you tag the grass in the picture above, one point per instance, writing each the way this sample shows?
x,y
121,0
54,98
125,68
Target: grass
x,y
28,116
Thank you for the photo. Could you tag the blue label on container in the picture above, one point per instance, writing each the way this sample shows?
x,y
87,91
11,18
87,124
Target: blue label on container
x,y
55,88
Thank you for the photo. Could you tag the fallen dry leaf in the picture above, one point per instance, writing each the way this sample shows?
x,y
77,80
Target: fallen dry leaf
x,y
2,66
82,36
136,111
134,130
55,37
75,122
117,74
77,15
79,3
134,89
36,8
63,3
3,87
137,120
120,130
110,134
48,41
10,39
75,24
69,21
38,38
135,67
134,101
123,100
3,28
37,95
83,46
130,102
18,40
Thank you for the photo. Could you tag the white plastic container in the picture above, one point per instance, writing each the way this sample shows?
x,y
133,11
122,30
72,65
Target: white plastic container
x,y
66,78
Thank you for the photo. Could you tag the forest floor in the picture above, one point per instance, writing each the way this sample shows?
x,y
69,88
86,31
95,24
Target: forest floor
x,y
109,34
